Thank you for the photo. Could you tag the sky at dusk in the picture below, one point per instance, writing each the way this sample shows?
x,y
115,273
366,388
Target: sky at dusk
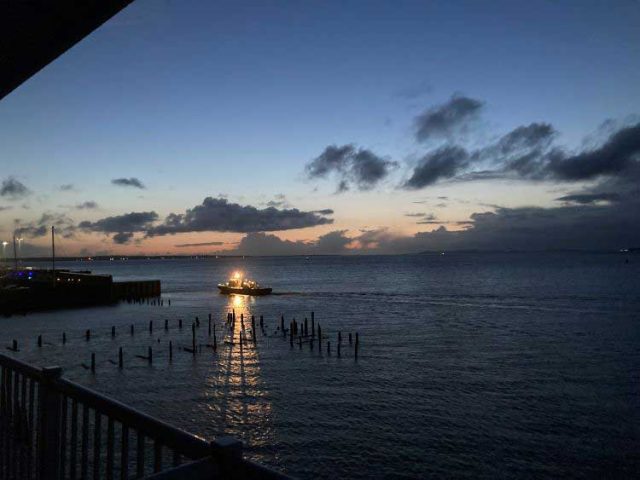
x,y
191,127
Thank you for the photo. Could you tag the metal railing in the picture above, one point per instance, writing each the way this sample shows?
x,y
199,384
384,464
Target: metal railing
x,y
52,428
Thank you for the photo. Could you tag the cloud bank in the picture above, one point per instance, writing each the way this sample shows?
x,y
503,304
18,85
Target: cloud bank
x,y
219,215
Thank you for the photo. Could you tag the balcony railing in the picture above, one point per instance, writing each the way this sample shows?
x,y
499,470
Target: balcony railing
x,y
52,428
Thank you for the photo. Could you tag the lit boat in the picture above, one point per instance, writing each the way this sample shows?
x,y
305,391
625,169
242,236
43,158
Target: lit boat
x,y
242,286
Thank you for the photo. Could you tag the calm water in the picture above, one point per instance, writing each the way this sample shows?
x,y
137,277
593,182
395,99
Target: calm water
x,y
471,365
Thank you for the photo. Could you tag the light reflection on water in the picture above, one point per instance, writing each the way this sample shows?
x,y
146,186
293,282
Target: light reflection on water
x,y
236,395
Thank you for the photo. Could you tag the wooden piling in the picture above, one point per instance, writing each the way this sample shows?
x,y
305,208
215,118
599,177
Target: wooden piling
x,y
328,348
306,327
166,325
87,334
169,302
319,335
209,324
313,328
150,326
180,323
282,325
64,338
339,342
39,340
120,359
300,342
14,345
357,346
132,329
193,337
291,333
349,338
253,328
113,331
170,350
150,355
93,363
261,322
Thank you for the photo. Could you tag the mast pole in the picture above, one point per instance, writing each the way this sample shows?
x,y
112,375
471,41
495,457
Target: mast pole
x,y
15,252
53,255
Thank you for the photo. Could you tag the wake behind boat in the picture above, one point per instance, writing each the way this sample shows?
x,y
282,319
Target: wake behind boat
x,y
242,286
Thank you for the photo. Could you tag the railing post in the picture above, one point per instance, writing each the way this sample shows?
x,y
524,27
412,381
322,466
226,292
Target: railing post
x,y
49,425
227,451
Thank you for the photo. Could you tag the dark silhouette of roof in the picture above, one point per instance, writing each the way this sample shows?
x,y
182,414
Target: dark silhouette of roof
x,y
35,32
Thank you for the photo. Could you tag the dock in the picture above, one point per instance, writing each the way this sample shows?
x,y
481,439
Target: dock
x,y
26,290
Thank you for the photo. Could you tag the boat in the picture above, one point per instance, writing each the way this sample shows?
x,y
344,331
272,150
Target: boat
x,y
237,285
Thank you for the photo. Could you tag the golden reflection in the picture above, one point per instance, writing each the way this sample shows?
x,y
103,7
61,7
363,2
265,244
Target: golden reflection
x,y
238,302
237,394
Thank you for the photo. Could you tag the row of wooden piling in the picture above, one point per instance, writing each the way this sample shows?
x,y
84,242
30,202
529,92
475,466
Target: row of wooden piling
x,y
156,301
299,331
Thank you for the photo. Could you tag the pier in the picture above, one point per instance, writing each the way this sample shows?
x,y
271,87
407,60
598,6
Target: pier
x,y
37,289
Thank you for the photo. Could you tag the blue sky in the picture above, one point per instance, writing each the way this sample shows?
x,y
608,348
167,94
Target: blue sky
x,y
200,98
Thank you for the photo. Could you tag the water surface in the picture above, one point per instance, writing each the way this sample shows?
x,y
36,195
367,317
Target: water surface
x,y
471,365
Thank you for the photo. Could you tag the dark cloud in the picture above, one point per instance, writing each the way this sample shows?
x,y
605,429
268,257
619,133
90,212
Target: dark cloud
x,y
122,238
350,165
588,198
448,119
442,163
528,153
332,243
217,214
88,205
414,214
13,189
367,169
67,187
575,226
333,159
129,222
204,244
260,243
123,226
128,182
65,226
3,208
618,154
525,138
